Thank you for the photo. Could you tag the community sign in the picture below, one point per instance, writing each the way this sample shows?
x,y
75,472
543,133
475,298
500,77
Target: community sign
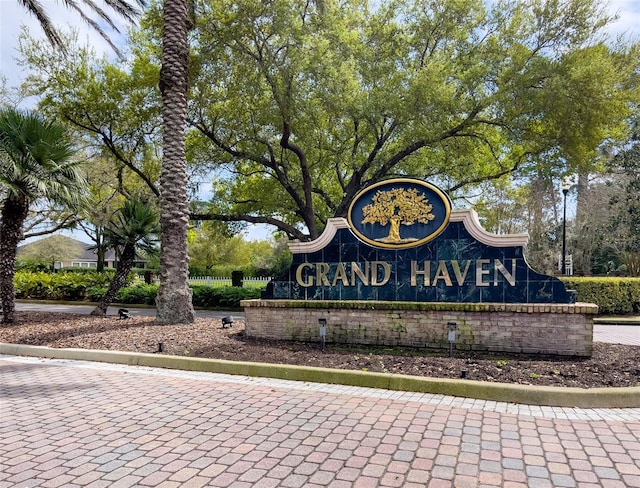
x,y
403,242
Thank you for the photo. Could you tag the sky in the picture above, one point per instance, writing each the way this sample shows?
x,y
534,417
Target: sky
x,y
13,16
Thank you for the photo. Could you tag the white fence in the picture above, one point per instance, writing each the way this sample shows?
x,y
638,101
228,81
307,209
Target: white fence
x,y
212,280
568,265
219,281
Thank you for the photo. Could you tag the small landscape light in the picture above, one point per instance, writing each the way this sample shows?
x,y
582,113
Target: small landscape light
x,y
227,322
323,331
123,313
451,326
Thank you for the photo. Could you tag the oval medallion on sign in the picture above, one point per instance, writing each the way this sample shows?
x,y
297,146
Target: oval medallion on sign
x,y
399,213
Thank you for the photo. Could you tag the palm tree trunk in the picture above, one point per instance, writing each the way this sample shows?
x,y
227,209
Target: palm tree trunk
x,y
174,295
125,263
14,213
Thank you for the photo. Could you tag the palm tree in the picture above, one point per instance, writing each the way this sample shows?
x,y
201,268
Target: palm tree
x,y
174,295
133,228
35,162
122,7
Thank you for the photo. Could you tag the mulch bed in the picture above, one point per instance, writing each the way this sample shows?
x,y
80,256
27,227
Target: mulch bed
x,y
611,365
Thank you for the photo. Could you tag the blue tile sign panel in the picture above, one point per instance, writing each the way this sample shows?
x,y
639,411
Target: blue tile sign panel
x,y
402,242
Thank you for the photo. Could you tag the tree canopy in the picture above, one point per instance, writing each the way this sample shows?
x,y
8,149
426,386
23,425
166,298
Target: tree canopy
x,y
296,108
453,92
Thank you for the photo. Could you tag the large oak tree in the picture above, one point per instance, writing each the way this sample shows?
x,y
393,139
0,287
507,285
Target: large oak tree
x,y
296,109
305,109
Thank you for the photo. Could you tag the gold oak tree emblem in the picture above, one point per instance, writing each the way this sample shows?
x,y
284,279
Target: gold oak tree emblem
x,y
398,206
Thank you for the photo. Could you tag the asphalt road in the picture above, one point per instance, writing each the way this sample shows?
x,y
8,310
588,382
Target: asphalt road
x,y
86,309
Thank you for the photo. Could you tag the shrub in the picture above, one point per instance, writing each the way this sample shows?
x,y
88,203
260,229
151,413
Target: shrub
x,y
33,265
70,287
57,286
92,286
29,284
139,293
95,293
85,271
226,297
617,296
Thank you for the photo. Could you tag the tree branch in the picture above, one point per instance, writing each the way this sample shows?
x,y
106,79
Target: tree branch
x,y
280,173
107,140
68,222
290,230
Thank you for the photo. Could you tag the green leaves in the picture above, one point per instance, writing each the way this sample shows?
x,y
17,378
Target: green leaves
x,y
295,108
445,90
111,106
36,159
136,224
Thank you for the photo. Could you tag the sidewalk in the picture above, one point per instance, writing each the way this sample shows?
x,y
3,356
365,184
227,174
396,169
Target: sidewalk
x,y
73,423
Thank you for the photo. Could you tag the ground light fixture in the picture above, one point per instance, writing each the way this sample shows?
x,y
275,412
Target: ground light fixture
x,y
227,322
451,336
323,332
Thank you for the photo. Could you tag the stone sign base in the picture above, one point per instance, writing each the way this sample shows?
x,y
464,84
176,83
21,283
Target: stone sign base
x,y
557,329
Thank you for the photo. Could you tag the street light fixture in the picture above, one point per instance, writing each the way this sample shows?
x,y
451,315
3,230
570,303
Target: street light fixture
x,y
566,184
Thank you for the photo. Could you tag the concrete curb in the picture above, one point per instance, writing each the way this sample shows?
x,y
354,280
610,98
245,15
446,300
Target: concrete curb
x,y
500,392
632,320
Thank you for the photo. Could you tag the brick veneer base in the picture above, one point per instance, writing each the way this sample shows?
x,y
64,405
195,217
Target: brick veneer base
x,y
559,329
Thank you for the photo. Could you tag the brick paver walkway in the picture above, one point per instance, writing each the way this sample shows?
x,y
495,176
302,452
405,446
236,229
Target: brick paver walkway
x,y
65,423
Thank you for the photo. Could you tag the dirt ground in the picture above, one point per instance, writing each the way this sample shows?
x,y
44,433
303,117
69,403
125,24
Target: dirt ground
x,y
610,366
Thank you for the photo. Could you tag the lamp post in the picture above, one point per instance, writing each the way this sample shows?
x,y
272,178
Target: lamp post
x,y
566,184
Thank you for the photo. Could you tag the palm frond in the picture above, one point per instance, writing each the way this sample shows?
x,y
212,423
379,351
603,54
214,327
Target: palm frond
x,y
134,223
123,8
35,8
37,159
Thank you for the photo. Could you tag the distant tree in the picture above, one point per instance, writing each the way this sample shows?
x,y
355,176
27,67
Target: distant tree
x,y
35,162
106,195
51,249
627,164
611,229
212,244
501,207
134,228
277,261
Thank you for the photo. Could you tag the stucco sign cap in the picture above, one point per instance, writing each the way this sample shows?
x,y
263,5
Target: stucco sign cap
x,y
399,213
